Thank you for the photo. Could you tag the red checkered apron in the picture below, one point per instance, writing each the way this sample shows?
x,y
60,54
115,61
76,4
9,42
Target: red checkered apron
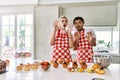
x,y
61,47
84,50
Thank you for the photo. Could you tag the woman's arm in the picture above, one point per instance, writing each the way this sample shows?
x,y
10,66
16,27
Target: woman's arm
x,y
70,40
52,38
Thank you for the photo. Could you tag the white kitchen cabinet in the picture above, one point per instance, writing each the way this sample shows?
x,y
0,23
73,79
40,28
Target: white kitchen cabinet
x,y
44,16
94,15
115,59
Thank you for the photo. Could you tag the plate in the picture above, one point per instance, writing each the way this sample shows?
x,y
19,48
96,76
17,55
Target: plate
x,y
4,71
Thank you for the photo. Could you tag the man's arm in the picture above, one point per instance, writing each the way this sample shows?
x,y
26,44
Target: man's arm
x,y
93,42
91,39
75,44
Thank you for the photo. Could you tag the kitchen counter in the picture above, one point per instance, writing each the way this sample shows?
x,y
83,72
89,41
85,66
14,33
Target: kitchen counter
x,y
107,53
113,53
60,73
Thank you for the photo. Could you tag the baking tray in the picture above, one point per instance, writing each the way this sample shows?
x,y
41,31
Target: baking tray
x,y
4,71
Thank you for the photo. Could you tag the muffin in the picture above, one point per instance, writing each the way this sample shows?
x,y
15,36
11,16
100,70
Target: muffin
x,y
34,66
65,64
19,67
74,64
55,64
26,67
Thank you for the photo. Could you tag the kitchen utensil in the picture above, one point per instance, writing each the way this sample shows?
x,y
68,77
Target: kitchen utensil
x,y
103,60
45,65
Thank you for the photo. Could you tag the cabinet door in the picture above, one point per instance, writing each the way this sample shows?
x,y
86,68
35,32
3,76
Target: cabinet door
x,y
44,17
93,15
116,59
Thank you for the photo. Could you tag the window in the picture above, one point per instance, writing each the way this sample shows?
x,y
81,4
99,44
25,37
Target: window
x,y
7,31
109,37
116,40
16,31
24,30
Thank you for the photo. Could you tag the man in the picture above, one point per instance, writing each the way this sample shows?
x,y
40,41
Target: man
x,y
84,40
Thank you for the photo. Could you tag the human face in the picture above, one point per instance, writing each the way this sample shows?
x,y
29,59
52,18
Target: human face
x,y
63,22
78,25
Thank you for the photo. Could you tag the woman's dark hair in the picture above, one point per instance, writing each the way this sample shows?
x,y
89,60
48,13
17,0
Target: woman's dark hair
x,y
78,18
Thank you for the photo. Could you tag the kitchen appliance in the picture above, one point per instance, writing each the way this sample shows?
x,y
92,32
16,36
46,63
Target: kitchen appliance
x,y
102,59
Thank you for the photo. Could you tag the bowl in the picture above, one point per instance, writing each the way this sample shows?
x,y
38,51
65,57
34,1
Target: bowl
x,y
45,65
103,60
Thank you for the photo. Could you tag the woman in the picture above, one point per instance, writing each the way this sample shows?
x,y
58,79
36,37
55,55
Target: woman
x,y
61,40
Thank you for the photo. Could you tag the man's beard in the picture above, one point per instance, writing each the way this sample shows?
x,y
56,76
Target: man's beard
x,y
80,28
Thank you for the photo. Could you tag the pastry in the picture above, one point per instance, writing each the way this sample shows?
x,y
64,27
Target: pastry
x,y
51,61
74,64
37,63
34,66
26,67
80,69
19,67
60,61
100,71
96,66
7,62
90,70
65,64
55,64
27,54
71,69
2,66
83,64
22,54
67,61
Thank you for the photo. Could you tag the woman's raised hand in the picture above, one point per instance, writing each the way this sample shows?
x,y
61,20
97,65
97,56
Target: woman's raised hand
x,y
56,24
69,29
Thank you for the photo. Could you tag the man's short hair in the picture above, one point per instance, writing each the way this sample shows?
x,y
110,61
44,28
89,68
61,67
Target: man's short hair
x,y
78,18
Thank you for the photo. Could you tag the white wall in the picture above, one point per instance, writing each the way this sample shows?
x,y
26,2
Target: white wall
x,y
95,15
